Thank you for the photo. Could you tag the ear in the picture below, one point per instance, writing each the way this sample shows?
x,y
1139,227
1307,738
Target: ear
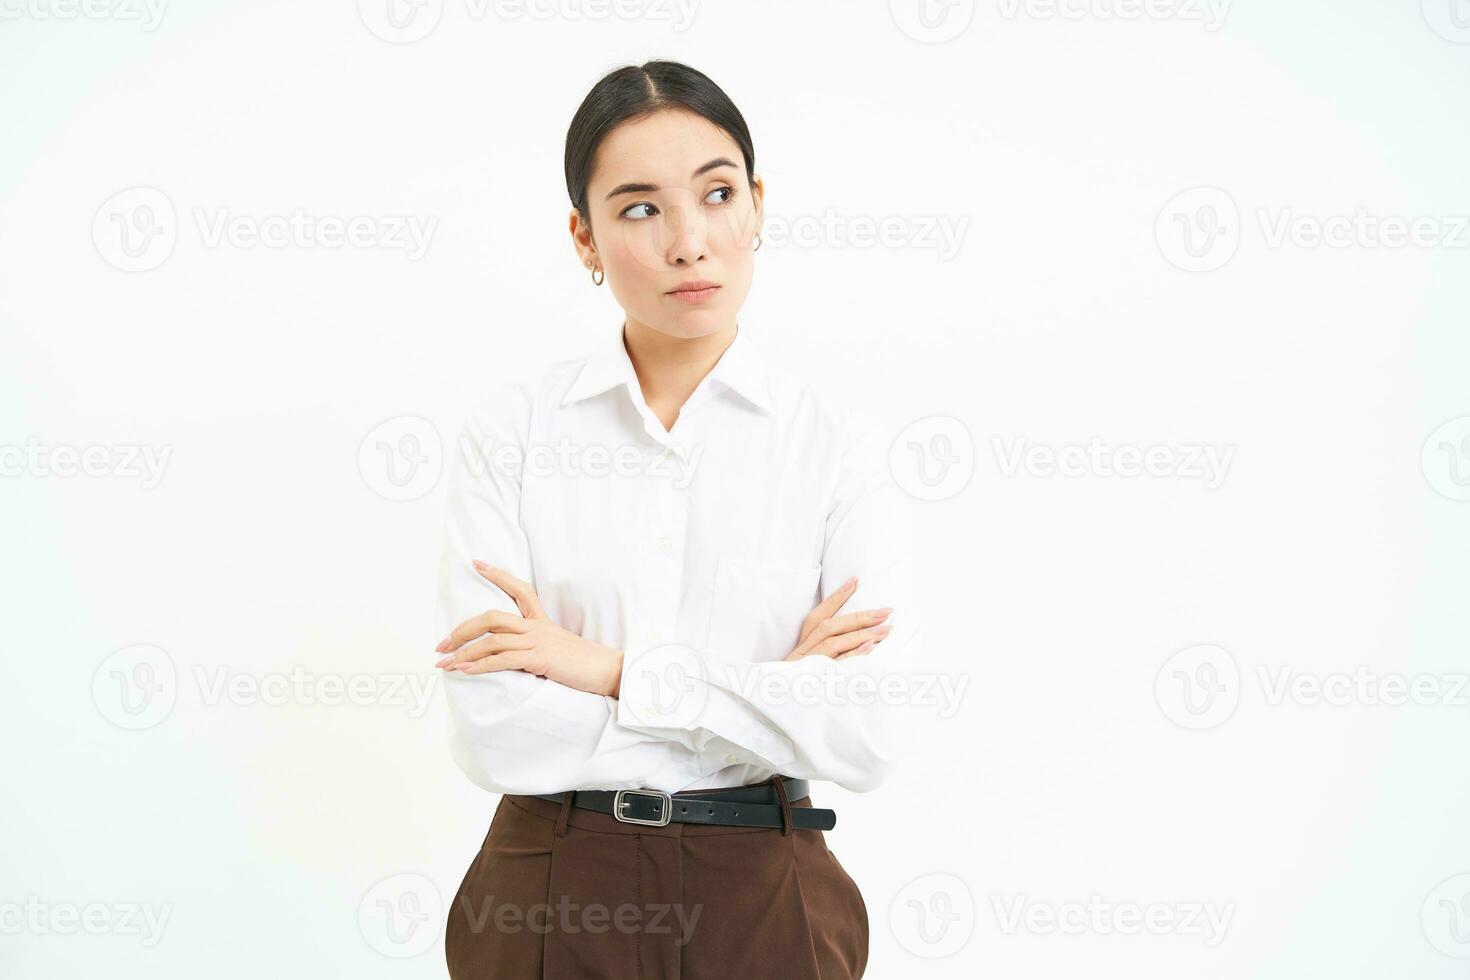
x,y
758,194
582,240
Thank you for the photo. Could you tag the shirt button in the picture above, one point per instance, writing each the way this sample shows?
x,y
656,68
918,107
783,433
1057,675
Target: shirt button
x,y
731,759
665,543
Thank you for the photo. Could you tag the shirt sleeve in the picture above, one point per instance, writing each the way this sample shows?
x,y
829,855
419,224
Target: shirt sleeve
x,y
846,721
511,731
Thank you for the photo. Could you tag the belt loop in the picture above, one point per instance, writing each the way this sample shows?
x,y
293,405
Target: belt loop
x,y
780,784
566,809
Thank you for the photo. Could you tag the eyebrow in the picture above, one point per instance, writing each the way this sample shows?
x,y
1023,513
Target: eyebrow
x,y
646,188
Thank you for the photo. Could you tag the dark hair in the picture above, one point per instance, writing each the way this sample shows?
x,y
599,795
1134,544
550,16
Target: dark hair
x,y
635,91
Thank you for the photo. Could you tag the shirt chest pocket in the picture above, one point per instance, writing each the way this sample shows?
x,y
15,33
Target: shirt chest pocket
x,y
759,607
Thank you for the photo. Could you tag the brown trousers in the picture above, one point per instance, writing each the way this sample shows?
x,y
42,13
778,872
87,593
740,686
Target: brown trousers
x,y
560,892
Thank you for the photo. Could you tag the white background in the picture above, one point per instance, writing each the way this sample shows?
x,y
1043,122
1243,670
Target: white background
x,y
1327,831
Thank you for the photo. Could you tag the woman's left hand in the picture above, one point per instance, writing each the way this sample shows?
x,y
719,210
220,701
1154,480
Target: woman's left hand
x,y
497,640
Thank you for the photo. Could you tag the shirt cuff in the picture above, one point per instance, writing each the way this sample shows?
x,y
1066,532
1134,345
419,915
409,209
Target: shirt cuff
x,y
670,689
661,687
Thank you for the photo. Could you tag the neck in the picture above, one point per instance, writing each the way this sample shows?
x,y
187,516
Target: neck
x,y
670,368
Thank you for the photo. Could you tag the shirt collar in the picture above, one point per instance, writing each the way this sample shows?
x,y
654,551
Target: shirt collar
x,y
740,368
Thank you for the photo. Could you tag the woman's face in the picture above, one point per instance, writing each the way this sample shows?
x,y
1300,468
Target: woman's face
x,y
668,204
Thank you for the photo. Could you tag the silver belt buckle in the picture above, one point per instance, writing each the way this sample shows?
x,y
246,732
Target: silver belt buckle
x,y
666,810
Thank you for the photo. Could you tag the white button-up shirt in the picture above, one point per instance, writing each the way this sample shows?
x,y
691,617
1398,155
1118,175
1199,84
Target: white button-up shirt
x,y
698,551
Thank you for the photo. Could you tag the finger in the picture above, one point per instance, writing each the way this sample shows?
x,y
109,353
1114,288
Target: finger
x,y
485,646
511,660
490,621
846,623
518,589
844,642
488,645
827,607
860,651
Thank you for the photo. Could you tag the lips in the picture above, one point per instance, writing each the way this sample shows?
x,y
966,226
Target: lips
x,y
694,286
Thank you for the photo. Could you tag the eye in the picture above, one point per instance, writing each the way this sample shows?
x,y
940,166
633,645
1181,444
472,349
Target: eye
x,y
728,191
628,211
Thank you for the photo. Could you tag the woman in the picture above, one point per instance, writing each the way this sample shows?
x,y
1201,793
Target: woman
x,y
680,508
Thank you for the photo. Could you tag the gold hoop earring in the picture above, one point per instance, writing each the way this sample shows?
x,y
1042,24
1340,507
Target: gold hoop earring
x,y
596,281
757,243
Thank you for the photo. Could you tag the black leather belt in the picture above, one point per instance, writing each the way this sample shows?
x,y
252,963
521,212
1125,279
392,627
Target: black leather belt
x,y
736,806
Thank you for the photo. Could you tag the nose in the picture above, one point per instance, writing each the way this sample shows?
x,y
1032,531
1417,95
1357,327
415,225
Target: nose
x,y
688,235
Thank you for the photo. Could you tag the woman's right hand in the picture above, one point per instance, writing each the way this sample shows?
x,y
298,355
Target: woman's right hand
x,y
826,634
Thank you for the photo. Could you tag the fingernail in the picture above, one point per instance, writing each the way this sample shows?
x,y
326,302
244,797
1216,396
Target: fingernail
x,y
882,630
446,660
865,647
463,665
850,582
444,644
880,613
